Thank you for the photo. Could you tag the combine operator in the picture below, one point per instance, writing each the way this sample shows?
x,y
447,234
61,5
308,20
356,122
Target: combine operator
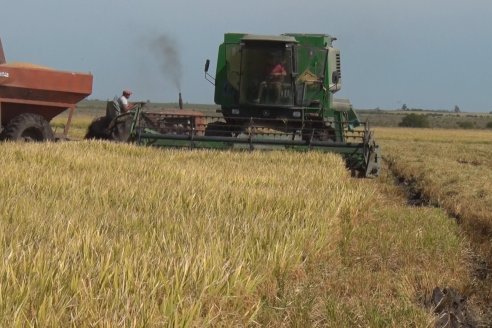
x,y
273,84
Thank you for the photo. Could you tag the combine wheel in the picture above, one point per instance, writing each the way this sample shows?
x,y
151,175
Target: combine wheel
x,y
28,127
319,132
325,134
218,129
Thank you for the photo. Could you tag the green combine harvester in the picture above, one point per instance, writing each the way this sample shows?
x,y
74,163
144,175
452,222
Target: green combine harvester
x,y
274,92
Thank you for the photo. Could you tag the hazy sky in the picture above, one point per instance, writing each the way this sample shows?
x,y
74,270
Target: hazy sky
x,y
423,53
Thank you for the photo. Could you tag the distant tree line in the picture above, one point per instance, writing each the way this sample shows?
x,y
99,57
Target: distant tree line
x,y
465,125
404,107
415,121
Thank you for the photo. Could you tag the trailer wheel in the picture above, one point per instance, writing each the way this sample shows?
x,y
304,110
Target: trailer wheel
x,y
28,127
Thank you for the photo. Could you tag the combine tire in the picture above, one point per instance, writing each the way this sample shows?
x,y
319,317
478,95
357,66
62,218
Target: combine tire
x,y
28,127
318,131
98,129
218,129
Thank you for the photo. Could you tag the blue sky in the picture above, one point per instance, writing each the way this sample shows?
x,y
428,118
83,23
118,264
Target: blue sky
x,y
426,54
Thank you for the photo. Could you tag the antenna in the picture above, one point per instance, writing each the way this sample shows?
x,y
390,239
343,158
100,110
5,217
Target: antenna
x,y
2,55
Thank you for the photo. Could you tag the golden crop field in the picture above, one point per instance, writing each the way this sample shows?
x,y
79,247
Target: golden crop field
x,y
78,126
452,169
104,234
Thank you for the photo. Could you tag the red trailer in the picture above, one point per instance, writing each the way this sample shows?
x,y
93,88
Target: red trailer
x,y
31,95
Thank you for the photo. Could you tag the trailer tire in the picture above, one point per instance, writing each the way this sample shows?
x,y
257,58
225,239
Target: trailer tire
x,y
28,127
98,129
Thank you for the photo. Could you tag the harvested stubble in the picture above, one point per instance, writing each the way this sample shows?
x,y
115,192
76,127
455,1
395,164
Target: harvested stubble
x,y
100,234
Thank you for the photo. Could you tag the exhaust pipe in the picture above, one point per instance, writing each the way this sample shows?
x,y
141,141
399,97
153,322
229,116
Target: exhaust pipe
x,y
180,102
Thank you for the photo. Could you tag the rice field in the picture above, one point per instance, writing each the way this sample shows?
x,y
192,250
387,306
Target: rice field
x,y
101,234
78,126
453,169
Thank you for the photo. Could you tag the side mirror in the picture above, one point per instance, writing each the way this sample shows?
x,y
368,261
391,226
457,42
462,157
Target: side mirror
x,y
335,77
208,77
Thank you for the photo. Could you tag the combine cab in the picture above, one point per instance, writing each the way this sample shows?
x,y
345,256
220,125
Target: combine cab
x,y
275,92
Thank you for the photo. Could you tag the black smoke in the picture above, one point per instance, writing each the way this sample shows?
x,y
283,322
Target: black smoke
x,y
166,50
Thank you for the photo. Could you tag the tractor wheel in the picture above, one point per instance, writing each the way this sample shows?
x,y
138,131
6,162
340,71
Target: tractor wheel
x,y
98,129
28,127
120,127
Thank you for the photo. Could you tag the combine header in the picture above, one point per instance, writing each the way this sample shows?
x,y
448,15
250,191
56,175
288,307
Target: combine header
x,y
274,92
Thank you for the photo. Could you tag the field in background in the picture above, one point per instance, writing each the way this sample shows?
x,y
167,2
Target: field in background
x,y
442,120
106,234
452,168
